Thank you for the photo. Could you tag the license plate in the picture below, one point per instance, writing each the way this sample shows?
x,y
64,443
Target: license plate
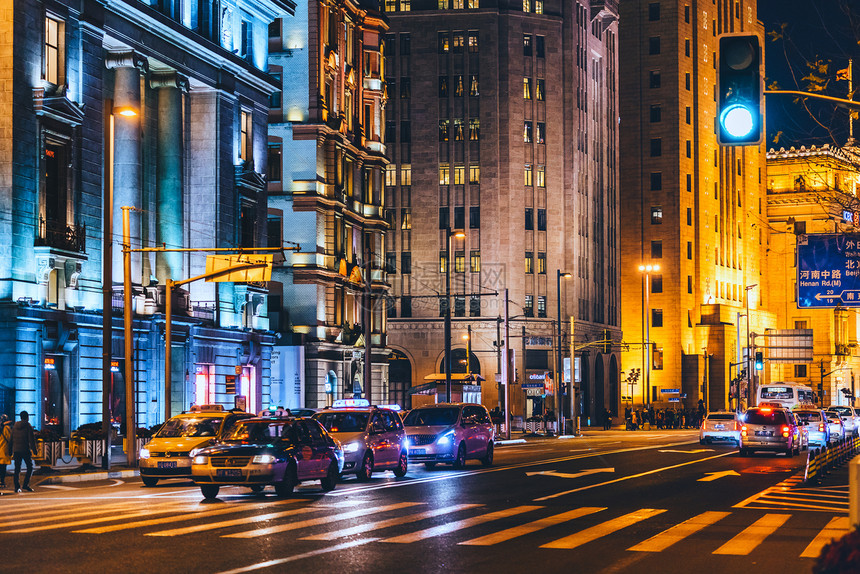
x,y
763,433
228,473
719,427
167,464
417,451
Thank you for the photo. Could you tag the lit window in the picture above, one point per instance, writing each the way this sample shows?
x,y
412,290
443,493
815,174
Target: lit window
x,y
540,173
527,6
527,88
538,6
458,4
528,174
529,307
245,135
474,129
527,132
405,218
458,85
539,90
656,214
459,174
52,51
474,4
444,45
443,130
541,306
459,262
406,174
458,42
473,85
541,132
530,262
443,261
542,263
444,174
405,5
390,175
475,261
473,40
458,130
474,174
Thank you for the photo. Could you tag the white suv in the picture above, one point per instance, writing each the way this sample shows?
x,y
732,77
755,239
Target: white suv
x,y
450,433
848,418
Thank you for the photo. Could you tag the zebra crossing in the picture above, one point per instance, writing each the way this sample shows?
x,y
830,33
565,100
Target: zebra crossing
x,y
790,494
551,528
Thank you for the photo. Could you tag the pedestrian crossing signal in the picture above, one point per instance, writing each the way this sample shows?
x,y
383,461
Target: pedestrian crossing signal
x,y
739,114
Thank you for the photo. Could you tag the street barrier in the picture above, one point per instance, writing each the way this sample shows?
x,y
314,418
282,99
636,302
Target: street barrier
x,y
821,461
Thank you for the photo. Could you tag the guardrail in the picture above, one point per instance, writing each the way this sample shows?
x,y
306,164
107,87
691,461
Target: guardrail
x,y
821,461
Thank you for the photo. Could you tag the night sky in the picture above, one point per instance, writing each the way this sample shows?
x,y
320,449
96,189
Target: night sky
x,y
815,29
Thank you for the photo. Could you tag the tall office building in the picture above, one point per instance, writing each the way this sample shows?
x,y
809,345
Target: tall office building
x,y
691,207
502,130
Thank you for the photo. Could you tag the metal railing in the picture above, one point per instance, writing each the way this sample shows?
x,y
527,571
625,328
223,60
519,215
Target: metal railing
x,y
61,236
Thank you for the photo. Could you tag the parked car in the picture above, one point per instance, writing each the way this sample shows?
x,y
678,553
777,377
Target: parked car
x,y
851,422
450,433
815,421
281,451
721,426
836,426
168,453
372,437
769,428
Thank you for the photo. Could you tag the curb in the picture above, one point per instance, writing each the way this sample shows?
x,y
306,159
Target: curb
x,y
512,441
90,476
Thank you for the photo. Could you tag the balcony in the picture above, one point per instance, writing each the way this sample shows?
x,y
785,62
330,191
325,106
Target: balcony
x,y
56,235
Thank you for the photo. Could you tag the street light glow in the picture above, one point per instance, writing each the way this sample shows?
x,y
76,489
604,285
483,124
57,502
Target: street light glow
x,y
566,275
460,234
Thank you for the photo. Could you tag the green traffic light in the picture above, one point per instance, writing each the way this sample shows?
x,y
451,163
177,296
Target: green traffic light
x,y
737,121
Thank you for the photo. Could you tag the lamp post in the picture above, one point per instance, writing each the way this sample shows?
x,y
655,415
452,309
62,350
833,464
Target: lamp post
x,y
559,370
449,233
646,271
468,338
749,353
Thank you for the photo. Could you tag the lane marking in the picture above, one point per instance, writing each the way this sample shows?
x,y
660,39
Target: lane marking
x,y
58,486
836,528
94,520
753,535
235,522
712,476
570,475
516,531
610,526
667,538
646,473
324,520
358,529
270,563
69,514
460,524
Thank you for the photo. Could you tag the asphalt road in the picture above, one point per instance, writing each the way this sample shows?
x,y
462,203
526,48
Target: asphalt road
x,y
615,501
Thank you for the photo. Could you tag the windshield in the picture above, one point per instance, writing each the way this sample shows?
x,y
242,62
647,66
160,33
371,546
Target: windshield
x,y
777,393
343,422
188,427
725,417
844,411
443,416
808,417
762,417
259,431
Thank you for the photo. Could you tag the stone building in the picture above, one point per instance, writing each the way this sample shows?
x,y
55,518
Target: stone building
x,y
690,206
502,130
326,166
813,190
159,106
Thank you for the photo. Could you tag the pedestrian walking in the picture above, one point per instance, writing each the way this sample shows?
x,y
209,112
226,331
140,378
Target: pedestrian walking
x,y
5,447
23,447
607,419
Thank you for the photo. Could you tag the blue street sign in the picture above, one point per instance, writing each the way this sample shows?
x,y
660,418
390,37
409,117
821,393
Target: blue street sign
x,y
674,400
828,270
670,391
532,385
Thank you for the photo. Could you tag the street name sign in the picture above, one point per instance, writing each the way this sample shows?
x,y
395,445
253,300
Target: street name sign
x,y
828,270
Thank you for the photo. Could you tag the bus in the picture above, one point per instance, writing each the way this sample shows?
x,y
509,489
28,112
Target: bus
x,y
789,395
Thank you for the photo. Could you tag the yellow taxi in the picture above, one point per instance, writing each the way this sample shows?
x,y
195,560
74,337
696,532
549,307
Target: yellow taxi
x,y
168,454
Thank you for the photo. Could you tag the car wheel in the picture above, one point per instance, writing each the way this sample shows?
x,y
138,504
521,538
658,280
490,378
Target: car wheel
x,y
257,488
366,469
149,481
330,480
285,488
460,461
209,491
488,458
402,466
429,465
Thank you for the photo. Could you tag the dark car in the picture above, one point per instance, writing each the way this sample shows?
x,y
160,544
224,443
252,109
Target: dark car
x,y
769,428
281,451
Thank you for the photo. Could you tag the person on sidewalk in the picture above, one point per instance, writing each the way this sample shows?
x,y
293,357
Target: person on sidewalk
x,y
5,447
607,419
23,447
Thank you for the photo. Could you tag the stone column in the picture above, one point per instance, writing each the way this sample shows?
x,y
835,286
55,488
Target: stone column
x,y
127,168
169,197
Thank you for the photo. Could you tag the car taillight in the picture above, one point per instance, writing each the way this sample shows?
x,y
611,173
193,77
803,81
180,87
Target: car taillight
x,y
744,430
785,431
737,425
820,427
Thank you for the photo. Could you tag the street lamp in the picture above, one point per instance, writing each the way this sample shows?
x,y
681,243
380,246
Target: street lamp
x,y
750,377
646,271
459,234
468,338
558,275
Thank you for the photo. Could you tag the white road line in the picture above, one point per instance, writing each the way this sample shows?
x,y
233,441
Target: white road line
x,y
58,487
556,495
460,524
408,519
667,538
270,563
753,535
522,530
600,530
836,528
235,522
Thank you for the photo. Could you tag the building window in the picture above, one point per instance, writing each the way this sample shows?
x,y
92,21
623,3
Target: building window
x,y
459,217
273,170
405,131
538,6
541,219
443,86
654,11
690,284
474,174
444,174
541,132
687,13
656,181
405,5
473,42
656,147
657,249
475,261
444,218
245,136
539,89
275,97
390,131
689,148
529,307
443,130
687,48
541,309
654,79
687,81
541,260
474,129
474,306
656,113
458,130
657,357
473,86
405,218
800,371
458,42
247,39
540,173
474,4
656,283
539,46
530,262
406,174
527,45
406,306
247,226
530,219
443,262
688,115
459,262
474,217
528,175
390,175
459,175
391,262
527,88
656,317
690,250
406,262
654,45
689,216
656,215
689,182
444,42
405,88
527,132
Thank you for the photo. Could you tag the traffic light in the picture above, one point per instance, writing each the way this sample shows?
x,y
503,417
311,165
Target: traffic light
x,y
759,361
739,99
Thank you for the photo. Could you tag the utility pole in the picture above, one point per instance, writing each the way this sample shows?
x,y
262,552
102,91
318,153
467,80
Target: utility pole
x,y
499,359
506,371
367,318
574,403
130,394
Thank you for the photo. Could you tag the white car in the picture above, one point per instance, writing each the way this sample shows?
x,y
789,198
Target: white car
x,y
836,426
815,420
450,433
722,426
847,415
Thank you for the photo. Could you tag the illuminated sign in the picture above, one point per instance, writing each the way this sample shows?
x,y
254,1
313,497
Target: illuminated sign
x,y
114,366
49,364
345,403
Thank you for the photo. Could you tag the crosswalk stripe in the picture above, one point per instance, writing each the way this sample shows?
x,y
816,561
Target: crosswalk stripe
x,y
604,529
34,518
524,529
235,522
113,516
324,520
188,516
667,538
753,535
362,528
460,524
837,527
270,563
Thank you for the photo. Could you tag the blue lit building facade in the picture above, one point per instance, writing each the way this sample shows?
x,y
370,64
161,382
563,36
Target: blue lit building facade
x,y
161,106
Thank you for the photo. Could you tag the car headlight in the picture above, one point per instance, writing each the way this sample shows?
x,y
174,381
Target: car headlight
x,y
351,447
144,453
194,452
200,459
406,443
263,459
445,438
